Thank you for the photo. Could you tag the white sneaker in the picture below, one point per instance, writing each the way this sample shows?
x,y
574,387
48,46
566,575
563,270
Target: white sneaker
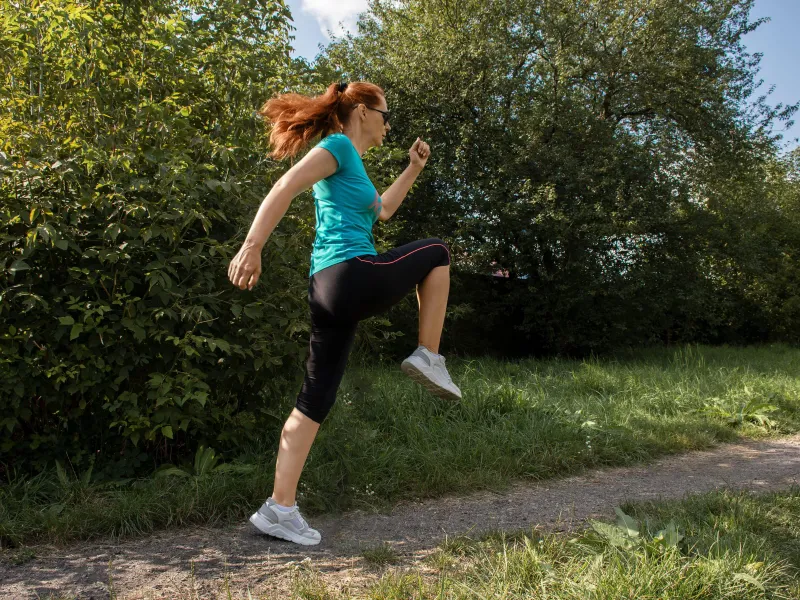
x,y
287,525
428,369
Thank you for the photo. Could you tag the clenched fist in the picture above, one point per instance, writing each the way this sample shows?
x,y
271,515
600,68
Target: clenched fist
x,y
419,153
245,268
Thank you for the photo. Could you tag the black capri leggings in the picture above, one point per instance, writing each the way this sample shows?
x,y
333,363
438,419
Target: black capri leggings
x,y
341,295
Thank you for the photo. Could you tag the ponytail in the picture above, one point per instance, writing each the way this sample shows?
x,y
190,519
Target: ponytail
x,y
298,119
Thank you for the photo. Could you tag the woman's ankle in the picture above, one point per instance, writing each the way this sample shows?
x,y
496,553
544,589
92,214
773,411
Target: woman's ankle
x,y
430,348
283,500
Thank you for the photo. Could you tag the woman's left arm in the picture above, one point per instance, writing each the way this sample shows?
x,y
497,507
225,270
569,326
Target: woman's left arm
x,y
393,197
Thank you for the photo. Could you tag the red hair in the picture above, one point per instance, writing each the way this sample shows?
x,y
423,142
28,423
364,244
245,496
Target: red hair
x,y
298,119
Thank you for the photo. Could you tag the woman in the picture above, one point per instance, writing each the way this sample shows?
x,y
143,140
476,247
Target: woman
x,y
349,281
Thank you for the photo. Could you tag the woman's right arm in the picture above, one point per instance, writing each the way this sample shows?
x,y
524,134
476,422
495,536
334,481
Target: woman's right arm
x,y
245,267
314,166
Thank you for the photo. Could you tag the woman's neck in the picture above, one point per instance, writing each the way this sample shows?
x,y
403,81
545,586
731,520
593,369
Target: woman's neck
x,y
354,133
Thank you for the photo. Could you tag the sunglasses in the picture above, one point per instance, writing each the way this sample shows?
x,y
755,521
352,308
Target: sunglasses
x,y
386,114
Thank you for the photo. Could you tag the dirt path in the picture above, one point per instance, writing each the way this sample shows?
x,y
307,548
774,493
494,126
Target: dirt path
x,y
160,566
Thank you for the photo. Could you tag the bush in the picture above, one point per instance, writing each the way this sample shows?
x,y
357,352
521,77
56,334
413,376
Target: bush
x,y
132,161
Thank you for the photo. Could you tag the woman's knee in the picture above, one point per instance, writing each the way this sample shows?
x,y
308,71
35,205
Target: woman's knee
x,y
329,348
443,252
315,404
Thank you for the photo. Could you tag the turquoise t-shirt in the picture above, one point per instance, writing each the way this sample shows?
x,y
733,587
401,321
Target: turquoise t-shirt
x,y
346,205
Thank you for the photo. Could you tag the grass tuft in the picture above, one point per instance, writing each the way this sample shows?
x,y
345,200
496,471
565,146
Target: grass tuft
x,y
380,556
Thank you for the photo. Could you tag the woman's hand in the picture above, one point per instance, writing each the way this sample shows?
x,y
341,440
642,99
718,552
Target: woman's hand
x,y
419,153
245,268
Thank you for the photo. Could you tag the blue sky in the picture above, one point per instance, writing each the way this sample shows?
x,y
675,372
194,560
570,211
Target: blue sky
x,y
778,40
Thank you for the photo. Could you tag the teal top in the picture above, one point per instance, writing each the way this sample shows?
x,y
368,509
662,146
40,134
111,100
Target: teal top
x,y
346,206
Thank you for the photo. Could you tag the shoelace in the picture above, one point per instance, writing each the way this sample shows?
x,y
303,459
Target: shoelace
x,y
295,514
300,518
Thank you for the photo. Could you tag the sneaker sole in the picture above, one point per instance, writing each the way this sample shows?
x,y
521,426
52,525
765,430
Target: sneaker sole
x,y
419,376
278,531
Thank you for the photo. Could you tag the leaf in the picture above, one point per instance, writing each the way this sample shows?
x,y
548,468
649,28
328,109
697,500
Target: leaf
x,y
19,265
66,320
204,461
113,230
754,566
62,474
627,523
170,471
139,332
167,432
669,536
614,535
77,329
749,579
86,478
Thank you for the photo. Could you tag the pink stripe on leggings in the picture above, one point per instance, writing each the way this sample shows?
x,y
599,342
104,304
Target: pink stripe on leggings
x,y
409,254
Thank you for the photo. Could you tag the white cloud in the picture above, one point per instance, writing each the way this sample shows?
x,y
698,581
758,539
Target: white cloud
x,y
339,16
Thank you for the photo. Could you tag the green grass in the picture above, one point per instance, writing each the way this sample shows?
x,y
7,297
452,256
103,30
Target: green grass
x,y
381,555
387,439
725,546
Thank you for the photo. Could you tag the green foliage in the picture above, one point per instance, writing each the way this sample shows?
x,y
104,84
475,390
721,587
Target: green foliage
x,y
626,534
738,413
205,463
612,157
131,160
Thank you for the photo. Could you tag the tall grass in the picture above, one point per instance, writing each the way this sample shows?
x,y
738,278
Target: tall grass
x,y
388,439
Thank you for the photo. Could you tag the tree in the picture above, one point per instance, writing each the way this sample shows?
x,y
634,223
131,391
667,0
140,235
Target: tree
x,y
570,140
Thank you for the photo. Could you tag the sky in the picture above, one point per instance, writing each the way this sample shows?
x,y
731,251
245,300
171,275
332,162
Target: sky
x,y
777,40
